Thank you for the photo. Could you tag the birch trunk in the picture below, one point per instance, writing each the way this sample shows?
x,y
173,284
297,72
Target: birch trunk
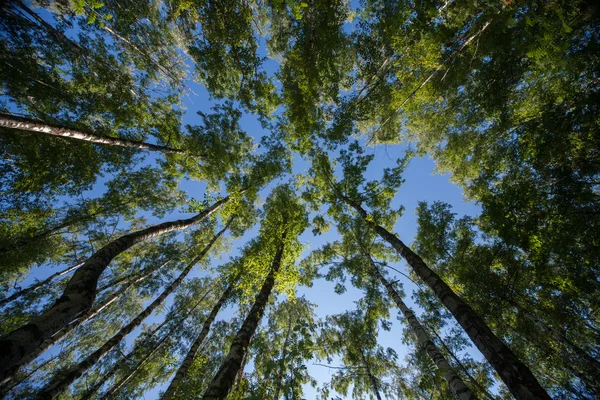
x,y
517,377
58,336
457,385
56,387
31,125
37,285
80,293
191,355
223,381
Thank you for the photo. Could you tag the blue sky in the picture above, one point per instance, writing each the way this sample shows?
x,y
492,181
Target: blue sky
x,y
422,184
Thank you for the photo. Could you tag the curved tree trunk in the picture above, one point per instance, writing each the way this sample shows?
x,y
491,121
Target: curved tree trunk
x,y
457,386
191,355
80,293
37,285
31,125
57,386
58,336
517,377
223,381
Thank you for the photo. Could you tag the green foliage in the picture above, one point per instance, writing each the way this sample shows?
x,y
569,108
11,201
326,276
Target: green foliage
x,y
502,285
502,95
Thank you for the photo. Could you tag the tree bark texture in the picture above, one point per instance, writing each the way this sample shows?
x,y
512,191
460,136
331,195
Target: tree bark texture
x,y
80,293
31,125
517,377
57,386
223,381
58,336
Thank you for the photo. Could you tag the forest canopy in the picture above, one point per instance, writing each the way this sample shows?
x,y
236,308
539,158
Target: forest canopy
x,y
220,199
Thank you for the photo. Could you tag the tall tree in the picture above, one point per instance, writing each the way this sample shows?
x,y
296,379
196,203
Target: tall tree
x,y
453,246
60,384
105,302
285,219
189,357
281,349
353,337
81,290
513,372
223,381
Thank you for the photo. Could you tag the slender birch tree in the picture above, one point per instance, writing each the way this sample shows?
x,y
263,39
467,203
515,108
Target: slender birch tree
x,y
277,246
191,354
64,380
81,291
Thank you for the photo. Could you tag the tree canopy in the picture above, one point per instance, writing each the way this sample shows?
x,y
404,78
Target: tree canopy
x,y
207,199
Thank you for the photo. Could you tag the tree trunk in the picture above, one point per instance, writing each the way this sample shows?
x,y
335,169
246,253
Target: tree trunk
x,y
223,381
282,361
80,292
460,364
58,336
191,355
56,387
371,376
31,125
517,377
457,386
38,285
119,364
